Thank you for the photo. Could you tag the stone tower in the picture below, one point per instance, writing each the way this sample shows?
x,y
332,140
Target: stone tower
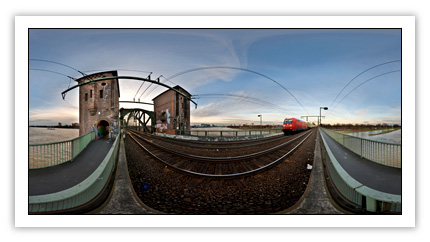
x,y
99,104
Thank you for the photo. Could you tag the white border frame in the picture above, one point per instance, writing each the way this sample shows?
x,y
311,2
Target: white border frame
x,y
407,23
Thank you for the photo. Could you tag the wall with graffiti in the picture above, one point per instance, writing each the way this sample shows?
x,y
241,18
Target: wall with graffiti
x,y
163,120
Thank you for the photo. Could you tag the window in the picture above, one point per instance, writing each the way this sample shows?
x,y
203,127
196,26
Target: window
x,y
91,93
288,121
86,96
101,93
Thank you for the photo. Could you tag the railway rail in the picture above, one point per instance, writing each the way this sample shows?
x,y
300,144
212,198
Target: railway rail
x,y
215,145
223,167
171,191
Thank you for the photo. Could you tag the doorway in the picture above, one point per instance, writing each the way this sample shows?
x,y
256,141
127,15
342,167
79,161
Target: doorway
x,y
103,129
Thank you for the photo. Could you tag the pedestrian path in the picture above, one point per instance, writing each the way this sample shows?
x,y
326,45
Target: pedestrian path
x,y
376,176
122,199
317,199
61,177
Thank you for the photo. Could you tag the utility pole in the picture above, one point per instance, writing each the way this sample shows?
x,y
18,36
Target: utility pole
x,y
315,116
325,108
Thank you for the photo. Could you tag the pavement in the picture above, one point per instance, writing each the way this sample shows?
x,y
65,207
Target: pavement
x,y
316,199
58,178
122,199
376,176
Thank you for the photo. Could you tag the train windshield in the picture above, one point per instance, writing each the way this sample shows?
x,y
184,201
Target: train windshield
x,y
288,121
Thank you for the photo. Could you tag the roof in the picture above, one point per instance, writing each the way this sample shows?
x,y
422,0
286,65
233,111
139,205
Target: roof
x,y
177,87
114,73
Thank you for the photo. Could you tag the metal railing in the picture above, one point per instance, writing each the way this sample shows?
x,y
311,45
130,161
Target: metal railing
x,y
388,154
219,133
230,133
81,193
354,191
52,154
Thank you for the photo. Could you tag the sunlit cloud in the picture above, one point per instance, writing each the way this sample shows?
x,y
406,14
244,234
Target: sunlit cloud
x,y
53,116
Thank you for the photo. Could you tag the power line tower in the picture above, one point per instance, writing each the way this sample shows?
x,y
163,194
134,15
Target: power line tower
x,y
316,116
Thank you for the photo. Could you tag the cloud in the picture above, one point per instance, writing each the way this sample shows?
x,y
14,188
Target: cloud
x,y
53,116
361,111
170,51
210,110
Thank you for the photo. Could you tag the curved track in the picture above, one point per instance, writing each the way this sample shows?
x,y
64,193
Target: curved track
x,y
172,191
225,166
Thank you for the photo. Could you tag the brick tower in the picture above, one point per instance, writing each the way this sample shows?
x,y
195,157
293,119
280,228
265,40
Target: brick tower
x,y
172,112
99,104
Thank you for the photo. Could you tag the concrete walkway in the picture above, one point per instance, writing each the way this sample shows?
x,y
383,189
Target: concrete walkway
x,y
316,199
122,200
58,178
376,176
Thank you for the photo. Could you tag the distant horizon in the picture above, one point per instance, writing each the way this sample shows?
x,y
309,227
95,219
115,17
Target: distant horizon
x,y
227,124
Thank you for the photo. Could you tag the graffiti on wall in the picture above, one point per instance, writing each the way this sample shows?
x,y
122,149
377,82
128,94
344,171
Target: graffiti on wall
x,y
163,120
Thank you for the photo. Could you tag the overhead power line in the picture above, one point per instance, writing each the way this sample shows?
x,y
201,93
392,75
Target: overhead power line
x,y
242,98
35,69
241,69
385,63
362,84
153,88
58,63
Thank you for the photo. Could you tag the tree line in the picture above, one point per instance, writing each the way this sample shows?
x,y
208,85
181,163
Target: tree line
x,y
360,126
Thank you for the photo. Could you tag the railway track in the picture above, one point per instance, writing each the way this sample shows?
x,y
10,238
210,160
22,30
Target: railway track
x,y
171,191
174,155
239,144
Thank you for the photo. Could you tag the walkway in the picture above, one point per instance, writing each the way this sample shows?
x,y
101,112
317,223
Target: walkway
x,y
122,199
379,177
58,178
317,199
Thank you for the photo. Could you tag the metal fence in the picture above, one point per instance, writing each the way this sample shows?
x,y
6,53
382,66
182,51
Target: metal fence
x,y
388,154
80,194
51,154
231,133
354,191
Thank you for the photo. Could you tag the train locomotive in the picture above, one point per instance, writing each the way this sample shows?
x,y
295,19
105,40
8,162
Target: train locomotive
x,y
293,125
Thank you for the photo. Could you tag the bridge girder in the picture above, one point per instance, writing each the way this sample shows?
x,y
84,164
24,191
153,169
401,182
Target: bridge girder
x,y
141,115
128,77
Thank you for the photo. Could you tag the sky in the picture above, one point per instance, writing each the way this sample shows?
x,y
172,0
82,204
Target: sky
x,y
233,74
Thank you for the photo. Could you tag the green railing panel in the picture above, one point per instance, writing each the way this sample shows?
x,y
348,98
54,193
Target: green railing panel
x,y
80,194
352,190
52,154
388,154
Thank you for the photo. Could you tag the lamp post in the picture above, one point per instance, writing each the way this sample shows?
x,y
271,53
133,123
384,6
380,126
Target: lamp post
x,y
325,108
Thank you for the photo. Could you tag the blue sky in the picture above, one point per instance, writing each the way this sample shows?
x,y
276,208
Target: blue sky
x,y
312,64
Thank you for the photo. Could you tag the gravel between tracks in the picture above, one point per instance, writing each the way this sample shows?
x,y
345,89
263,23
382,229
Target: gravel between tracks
x,y
268,192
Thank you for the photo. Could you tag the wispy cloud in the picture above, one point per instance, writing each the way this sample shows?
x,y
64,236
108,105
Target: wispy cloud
x,y
292,57
53,116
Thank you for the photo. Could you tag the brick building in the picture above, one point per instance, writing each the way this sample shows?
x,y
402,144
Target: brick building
x,y
172,111
98,104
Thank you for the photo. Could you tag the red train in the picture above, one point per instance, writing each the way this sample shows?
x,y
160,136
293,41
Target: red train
x,y
292,125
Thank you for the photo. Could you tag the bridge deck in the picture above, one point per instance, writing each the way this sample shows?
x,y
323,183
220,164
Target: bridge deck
x,y
64,176
379,177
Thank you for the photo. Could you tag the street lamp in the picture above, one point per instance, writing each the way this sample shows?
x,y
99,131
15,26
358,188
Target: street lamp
x,y
261,118
325,108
